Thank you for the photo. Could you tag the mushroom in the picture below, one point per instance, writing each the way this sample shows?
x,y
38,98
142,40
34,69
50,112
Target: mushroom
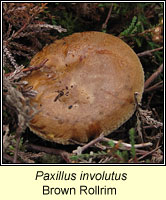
x,y
86,87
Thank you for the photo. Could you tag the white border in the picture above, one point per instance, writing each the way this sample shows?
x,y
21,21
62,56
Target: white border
x,y
78,163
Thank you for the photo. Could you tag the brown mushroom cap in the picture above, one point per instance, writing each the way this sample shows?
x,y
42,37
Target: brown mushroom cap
x,y
86,87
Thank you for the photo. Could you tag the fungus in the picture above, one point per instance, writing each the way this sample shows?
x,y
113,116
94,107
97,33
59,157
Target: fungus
x,y
86,87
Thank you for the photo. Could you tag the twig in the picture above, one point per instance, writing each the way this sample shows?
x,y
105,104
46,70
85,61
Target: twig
x,y
154,87
149,153
149,101
29,157
79,149
5,137
149,52
138,34
58,28
104,26
18,137
40,65
9,158
9,56
30,18
65,155
156,114
19,31
29,69
128,146
153,76
139,119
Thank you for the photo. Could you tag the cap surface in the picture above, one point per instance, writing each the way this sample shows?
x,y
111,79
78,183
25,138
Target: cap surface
x,y
86,87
